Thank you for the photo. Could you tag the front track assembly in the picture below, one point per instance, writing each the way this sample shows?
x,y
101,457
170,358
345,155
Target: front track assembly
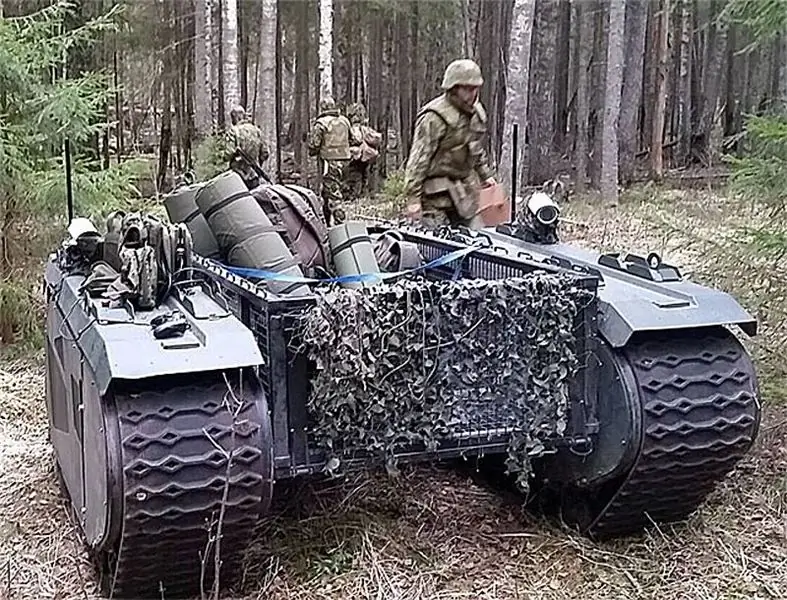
x,y
168,448
696,395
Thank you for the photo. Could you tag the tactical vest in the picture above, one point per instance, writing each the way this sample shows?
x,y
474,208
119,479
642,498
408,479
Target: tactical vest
x,y
452,158
336,141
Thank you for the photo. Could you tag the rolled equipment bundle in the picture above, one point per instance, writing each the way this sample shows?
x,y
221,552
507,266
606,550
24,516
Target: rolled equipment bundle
x,y
245,234
353,252
182,207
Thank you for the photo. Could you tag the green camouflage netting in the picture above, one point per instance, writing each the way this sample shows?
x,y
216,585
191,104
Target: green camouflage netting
x,y
414,362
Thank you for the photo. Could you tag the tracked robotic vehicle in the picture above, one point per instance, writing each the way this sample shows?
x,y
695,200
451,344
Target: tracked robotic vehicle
x,y
176,400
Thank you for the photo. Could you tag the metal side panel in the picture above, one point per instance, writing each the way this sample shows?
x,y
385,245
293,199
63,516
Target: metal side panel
x,y
117,344
630,303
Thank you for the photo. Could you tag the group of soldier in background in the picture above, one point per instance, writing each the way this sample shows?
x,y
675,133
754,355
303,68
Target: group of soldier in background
x,y
345,146
445,170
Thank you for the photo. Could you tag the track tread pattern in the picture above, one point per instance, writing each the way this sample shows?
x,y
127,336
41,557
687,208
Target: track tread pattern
x,y
174,480
700,412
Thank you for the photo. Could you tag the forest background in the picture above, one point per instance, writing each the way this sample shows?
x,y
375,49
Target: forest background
x,y
674,109
606,95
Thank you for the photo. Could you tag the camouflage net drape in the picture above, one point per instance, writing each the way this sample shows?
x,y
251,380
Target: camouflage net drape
x,y
413,362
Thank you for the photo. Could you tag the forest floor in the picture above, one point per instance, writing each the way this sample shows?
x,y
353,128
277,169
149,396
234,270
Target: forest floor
x,y
433,533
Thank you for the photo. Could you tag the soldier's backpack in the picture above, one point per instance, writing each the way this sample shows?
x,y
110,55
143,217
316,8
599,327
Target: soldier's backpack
x,y
296,211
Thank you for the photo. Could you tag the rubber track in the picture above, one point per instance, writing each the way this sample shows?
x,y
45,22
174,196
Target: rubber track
x,y
174,482
700,415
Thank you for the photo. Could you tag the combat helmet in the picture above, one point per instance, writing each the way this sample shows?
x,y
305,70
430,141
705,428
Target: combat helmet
x,y
237,114
327,103
462,72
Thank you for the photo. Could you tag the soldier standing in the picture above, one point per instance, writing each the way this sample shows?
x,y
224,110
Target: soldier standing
x,y
447,160
364,150
245,147
330,142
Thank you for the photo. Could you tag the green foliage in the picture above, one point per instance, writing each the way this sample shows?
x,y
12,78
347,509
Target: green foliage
x,y
764,18
96,192
42,105
209,158
22,313
761,173
392,188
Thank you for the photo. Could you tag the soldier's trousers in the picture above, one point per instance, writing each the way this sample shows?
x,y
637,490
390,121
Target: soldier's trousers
x,y
439,211
332,191
357,180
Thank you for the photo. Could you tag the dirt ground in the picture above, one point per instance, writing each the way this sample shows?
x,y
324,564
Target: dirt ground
x,y
434,534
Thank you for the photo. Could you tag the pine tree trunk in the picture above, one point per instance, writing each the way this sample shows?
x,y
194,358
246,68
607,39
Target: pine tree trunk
x,y
326,49
714,75
781,91
561,73
266,82
659,95
584,18
229,27
542,92
614,83
517,92
636,25
684,87
202,65
404,76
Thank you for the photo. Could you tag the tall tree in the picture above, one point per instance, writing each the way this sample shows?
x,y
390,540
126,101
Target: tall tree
x,y
684,82
614,83
229,36
636,26
518,87
266,80
542,93
660,92
203,50
584,19
326,48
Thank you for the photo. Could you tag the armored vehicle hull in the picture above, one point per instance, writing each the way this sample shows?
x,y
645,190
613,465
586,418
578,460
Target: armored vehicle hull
x,y
171,422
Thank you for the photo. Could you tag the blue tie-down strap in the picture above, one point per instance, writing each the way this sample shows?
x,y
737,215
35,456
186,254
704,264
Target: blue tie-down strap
x,y
359,278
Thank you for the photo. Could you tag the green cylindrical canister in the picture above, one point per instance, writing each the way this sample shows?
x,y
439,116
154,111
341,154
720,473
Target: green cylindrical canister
x,y
353,252
244,232
182,207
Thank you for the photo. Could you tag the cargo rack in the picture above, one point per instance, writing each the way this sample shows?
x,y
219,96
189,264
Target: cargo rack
x,y
285,374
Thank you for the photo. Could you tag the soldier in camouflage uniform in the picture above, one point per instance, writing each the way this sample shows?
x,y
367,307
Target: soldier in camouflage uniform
x,y
447,161
330,142
245,136
364,150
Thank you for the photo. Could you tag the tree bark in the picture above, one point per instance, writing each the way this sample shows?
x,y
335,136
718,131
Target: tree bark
x,y
266,83
636,25
614,83
585,41
229,27
203,67
659,97
561,73
517,92
542,93
326,49
713,77
684,88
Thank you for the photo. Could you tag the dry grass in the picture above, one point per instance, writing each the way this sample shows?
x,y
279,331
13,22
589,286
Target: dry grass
x,y
433,533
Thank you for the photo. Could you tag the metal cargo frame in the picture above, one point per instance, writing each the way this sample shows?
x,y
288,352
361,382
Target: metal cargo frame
x,y
285,374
